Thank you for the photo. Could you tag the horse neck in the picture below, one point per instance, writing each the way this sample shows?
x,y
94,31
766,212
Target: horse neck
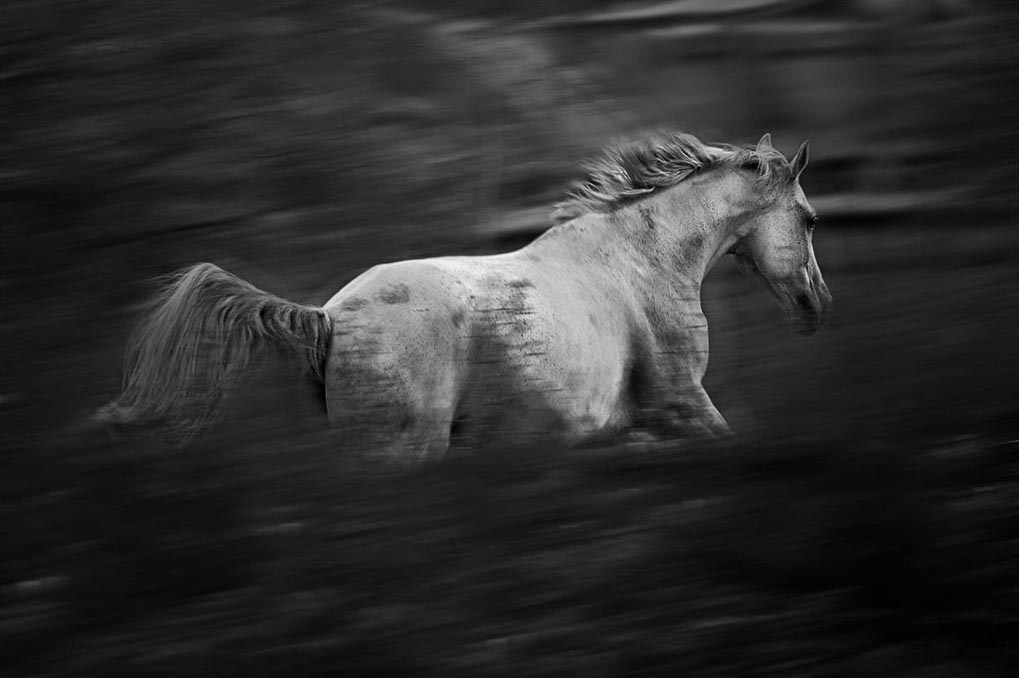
x,y
681,232
671,238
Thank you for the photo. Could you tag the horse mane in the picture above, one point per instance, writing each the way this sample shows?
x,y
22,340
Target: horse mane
x,y
628,171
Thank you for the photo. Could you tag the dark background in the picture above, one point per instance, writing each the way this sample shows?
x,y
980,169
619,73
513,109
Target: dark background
x,y
863,525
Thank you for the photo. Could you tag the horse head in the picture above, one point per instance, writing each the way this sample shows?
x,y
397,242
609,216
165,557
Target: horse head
x,y
777,246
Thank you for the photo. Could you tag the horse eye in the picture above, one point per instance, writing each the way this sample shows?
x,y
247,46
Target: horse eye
x,y
811,221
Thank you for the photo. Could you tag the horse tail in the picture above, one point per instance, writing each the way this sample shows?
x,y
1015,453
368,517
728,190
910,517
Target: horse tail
x,y
196,341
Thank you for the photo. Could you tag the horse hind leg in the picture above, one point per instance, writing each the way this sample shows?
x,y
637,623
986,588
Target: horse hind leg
x,y
425,441
382,422
407,442
420,435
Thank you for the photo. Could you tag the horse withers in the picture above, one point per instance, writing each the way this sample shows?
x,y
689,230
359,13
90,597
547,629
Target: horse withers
x,y
593,330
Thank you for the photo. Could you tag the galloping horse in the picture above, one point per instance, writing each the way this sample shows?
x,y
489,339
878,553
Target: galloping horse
x,y
593,329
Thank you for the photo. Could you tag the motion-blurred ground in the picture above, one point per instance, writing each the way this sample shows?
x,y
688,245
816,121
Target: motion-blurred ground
x,y
865,525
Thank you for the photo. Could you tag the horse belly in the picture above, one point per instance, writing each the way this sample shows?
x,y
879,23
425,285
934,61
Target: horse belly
x,y
589,396
534,382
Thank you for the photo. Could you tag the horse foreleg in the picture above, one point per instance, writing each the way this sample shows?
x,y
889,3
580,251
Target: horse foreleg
x,y
690,413
711,419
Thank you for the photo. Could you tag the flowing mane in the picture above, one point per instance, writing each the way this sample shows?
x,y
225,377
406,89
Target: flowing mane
x,y
625,172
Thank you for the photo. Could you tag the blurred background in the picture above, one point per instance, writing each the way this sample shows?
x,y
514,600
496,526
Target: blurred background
x,y
864,524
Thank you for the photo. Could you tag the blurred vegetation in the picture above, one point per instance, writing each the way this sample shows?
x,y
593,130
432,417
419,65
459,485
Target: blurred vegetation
x,y
864,526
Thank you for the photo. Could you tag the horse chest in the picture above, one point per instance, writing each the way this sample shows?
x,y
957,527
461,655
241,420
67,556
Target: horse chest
x,y
669,358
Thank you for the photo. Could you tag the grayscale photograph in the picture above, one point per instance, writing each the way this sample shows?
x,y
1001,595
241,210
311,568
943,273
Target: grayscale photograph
x,y
577,338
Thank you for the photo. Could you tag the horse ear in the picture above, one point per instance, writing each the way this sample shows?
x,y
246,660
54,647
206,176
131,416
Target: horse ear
x,y
765,142
799,162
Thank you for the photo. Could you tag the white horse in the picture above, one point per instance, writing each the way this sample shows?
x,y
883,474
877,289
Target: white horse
x,y
593,330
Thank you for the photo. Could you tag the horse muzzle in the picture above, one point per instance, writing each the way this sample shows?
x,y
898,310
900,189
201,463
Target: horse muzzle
x,y
809,308
803,297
